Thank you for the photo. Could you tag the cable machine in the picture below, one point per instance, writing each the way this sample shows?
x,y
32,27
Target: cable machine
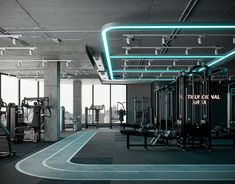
x,y
165,107
194,108
141,113
92,108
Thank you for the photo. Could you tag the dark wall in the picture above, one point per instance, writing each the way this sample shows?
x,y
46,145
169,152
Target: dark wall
x,y
139,91
219,107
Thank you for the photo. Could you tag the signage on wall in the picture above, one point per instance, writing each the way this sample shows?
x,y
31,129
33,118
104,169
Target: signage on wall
x,y
202,99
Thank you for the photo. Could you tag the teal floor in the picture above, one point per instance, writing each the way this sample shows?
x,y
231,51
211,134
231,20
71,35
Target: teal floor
x,y
54,162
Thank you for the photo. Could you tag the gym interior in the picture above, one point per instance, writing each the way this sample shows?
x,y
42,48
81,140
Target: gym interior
x,y
110,92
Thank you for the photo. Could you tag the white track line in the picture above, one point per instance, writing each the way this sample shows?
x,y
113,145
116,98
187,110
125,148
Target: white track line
x,y
51,163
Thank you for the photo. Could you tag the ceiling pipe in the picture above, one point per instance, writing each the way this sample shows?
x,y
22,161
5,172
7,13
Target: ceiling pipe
x,y
187,11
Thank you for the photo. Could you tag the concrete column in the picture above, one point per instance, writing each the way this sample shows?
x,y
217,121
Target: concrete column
x,y
52,90
77,105
92,103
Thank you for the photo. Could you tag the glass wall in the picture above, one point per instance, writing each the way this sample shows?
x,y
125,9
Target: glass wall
x,y
118,101
66,97
28,88
86,101
41,88
101,97
9,89
66,100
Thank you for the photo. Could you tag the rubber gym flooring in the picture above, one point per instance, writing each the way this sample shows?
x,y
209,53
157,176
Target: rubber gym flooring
x,y
101,157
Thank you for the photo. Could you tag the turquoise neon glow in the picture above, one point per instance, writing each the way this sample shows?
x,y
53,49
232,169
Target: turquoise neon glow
x,y
147,79
155,27
147,71
218,60
148,27
165,57
106,48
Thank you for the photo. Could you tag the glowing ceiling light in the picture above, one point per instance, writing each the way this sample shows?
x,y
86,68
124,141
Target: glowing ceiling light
x,y
165,57
128,40
13,41
43,64
127,51
220,59
156,52
186,52
67,64
199,39
19,63
146,71
30,52
1,52
152,28
163,40
125,63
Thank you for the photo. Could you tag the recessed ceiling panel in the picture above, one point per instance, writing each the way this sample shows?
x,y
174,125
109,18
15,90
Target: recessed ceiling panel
x,y
162,52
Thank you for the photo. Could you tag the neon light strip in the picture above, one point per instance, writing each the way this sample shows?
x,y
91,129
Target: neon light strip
x,y
155,27
170,27
147,71
164,57
147,79
107,55
218,60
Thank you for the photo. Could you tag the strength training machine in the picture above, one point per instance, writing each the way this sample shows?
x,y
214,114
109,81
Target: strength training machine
x,y
4,133
26,122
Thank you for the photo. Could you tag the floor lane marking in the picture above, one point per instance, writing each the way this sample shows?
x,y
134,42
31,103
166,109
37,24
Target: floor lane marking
x,y
83,134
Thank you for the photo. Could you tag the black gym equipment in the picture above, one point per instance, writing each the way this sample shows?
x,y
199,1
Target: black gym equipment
x,y
121,112
4,132
26,122
166,106
96,109
142,113
158,138
194,113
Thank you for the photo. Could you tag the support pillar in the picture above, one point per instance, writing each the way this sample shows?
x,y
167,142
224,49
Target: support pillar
x,y
110,107
92,104
77,105
19,92
52,90
38,89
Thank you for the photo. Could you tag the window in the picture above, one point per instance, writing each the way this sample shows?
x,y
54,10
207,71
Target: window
x,y
28,88
101,97
9,89
41,88
66,97
118,101
86,101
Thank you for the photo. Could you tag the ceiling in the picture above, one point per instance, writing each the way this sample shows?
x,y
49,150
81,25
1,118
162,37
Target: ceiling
x,y
60,30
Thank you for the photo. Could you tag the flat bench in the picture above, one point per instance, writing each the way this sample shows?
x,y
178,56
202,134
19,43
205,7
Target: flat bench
x,y
142,133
